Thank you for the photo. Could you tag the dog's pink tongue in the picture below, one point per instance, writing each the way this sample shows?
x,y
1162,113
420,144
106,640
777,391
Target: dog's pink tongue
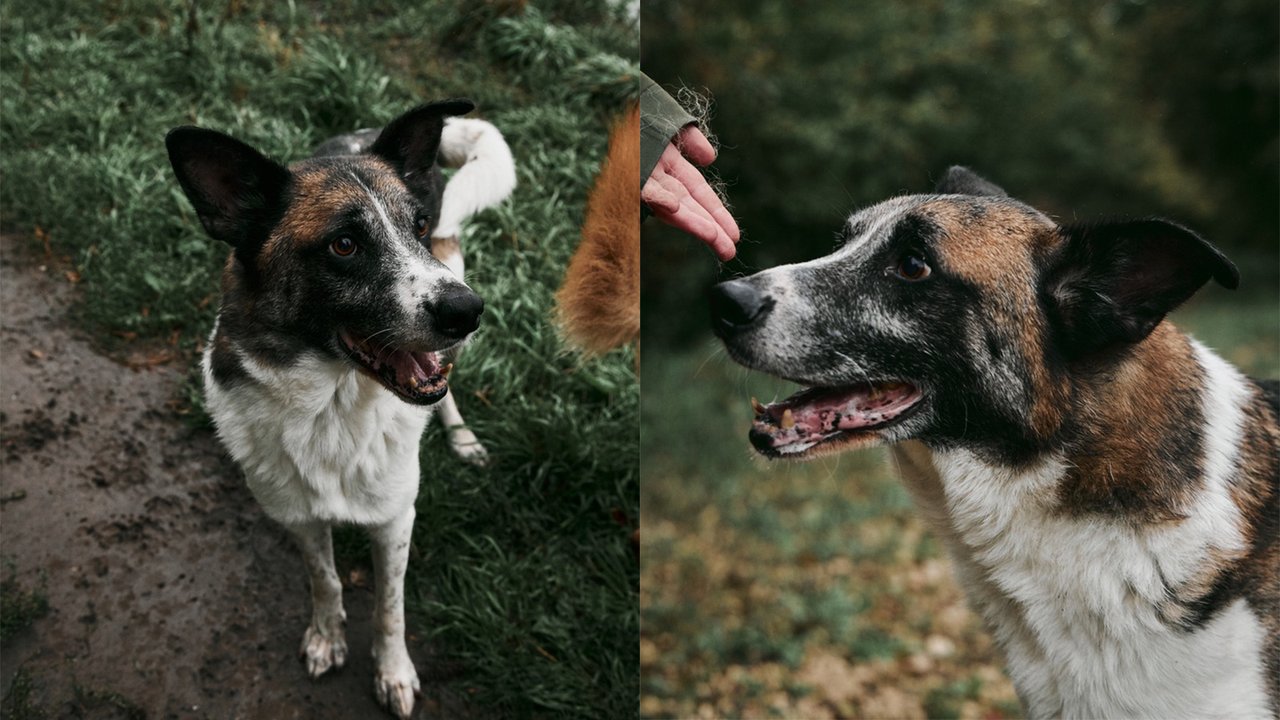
x,y
811,414
413,369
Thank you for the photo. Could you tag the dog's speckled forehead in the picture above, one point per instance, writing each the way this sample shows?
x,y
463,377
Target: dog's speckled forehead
x,y
330,193
979,238
339,185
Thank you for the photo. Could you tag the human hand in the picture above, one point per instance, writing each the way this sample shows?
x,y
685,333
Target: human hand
x,y
679,196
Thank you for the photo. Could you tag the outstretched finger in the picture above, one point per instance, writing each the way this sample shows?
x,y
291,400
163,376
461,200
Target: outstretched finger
x,y
701,191
658,198
695,146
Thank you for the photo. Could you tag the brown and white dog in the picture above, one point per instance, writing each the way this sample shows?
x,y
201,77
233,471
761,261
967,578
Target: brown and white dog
x,y
329,349
1105,485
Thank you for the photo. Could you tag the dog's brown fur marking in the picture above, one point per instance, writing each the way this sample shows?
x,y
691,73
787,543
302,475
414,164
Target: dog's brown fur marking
x,y
1137,448
598,305
1256,491
320,192
996,244
989,242
445,249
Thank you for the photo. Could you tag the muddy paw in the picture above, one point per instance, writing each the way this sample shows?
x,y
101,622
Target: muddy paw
x,y
397,687
323,650
468,448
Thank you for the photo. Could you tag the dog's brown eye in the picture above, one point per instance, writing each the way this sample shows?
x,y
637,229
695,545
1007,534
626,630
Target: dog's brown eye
x,y
343,246
421,225
912,268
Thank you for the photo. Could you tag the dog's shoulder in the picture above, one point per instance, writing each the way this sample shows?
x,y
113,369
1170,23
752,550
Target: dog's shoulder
x,y
1270,393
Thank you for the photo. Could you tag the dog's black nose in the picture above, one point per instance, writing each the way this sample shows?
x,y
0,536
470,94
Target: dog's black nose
x,y
737,305
457,312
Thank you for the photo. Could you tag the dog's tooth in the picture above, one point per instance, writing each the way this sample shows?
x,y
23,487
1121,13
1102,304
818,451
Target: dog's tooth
x,y
788,420
444,372
755,405
413,381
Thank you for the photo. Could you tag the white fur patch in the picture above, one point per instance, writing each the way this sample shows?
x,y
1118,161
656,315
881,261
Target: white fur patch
x,y
1074,602
486,177
319,440
379,208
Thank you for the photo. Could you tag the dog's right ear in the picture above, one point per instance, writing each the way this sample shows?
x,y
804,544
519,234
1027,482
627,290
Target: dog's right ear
x,y
410,141
236,191
1113,282
960,180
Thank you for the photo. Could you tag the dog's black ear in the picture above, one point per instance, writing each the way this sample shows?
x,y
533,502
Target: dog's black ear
x,y
410,141
1113,282
960,180
236,191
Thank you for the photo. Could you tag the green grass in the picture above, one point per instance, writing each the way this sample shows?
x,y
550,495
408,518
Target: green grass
x,y
1242,325
19,607
523,571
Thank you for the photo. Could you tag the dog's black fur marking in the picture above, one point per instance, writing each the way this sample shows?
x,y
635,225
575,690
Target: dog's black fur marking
x,y
960,180
410,143
237,192
1115,281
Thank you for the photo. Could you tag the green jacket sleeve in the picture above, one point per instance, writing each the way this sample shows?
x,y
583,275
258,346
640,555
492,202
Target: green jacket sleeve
x,y
661,117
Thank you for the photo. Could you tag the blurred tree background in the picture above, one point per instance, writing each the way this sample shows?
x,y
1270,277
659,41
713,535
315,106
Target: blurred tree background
x,y
1084,109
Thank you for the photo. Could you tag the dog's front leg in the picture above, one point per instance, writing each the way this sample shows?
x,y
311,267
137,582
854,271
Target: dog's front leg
x,y
396,682
324,645
462,441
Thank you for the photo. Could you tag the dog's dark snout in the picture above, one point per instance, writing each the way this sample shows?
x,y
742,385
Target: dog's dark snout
x,y
457,312
737,305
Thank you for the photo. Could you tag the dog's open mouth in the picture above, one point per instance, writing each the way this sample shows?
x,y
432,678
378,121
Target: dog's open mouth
x,y
416,377
820,418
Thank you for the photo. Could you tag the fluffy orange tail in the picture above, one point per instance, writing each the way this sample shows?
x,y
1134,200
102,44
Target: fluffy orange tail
x,y
598,305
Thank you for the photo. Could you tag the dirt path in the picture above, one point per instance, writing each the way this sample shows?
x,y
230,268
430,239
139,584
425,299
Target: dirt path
x,y
170,594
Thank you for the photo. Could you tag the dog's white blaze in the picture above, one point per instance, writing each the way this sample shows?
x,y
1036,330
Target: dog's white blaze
x,y
413,281
415,278
1074,601
379,208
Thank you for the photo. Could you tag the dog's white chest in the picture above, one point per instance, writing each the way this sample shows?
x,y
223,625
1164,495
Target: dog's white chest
x,y
320,441
1075,603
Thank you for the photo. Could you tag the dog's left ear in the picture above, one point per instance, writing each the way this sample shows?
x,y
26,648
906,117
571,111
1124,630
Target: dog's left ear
x,y
1113,282
410,141
960,180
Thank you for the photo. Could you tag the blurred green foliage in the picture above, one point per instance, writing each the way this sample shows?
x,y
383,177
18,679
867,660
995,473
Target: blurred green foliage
x,y
1084,109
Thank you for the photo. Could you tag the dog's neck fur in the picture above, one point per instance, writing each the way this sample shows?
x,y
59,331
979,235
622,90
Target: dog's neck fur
x,y
317,438
1100,572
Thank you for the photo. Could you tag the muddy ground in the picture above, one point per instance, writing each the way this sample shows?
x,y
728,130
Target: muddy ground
x,y
170,594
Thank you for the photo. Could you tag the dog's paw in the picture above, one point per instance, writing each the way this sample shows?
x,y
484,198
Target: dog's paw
x,y
323,650
467,447
397,687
